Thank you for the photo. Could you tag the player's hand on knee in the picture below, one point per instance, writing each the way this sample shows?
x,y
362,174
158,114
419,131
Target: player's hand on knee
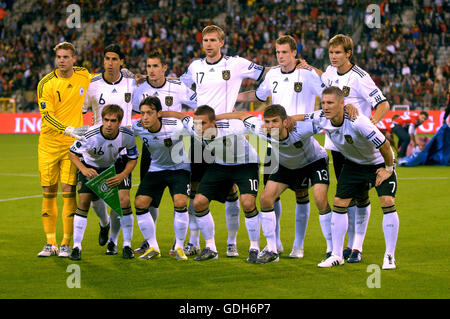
x,y
382,175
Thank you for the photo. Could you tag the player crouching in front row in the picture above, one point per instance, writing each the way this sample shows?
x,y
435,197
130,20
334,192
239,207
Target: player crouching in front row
x,y
98,150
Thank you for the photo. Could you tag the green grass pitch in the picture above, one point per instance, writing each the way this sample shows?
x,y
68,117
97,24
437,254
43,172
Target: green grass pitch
x,y
422,250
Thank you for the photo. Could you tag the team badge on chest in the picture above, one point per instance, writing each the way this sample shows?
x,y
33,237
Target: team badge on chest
x,y
349,139
168,142
346,90
127,97
169,100
226,75
298,87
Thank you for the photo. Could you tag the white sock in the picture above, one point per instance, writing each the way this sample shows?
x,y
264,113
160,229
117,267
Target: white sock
x,y
253,225
100,209
127,229
194,237
278,209
361,222
180,224
339,224
390,228
115,227
206,225
79,226
325,224
351,211
154,212
268,223
148,229
232,211
301,222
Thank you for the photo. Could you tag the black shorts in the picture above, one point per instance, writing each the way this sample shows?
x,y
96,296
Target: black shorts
x,y
300,178
154,184
355,178
218,180
198,165
120,164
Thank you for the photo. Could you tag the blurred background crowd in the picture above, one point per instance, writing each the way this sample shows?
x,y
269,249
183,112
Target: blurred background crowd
x,y
407,55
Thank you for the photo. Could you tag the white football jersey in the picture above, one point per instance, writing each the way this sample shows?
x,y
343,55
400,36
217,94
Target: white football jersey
x,y
218,84
358,140
229,146
359,90
101,152
295,91
297,150
166,145
101,92
171,94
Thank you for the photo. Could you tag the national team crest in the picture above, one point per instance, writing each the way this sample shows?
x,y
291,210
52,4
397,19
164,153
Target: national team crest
x,y
168,142
298,87
298,144
346,90
349,139
226,75
169,100
127,97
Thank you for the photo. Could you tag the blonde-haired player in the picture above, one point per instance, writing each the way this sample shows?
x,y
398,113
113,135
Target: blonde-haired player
x,y
60,96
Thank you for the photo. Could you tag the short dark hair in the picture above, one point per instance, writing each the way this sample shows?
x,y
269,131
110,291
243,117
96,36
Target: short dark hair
x,y
153,102
115,48
334,90
113,109
424,113
275,110
156,55
206,110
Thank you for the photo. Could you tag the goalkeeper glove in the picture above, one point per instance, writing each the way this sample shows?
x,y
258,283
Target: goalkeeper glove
x,y
76,132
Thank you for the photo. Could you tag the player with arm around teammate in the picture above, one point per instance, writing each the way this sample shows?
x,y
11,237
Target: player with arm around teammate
x,y
301,159
169,167
98,150
231,160
172,95
369,162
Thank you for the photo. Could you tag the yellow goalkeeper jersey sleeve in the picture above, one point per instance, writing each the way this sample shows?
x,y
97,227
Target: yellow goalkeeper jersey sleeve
x,y
60,104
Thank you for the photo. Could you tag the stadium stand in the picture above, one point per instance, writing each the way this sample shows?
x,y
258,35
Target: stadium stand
x,y
408,57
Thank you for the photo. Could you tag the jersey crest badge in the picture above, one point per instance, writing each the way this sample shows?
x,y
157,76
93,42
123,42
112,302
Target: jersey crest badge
x,y
349,139
169,100
298,144
81,91
127,97
298,87
168,142
43,105
226,75
346,90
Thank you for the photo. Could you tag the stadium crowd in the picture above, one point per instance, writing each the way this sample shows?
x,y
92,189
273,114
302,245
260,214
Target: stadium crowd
x,y
401,58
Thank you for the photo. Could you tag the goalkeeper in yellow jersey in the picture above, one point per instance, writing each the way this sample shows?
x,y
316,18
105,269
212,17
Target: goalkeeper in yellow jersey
x,y
60,96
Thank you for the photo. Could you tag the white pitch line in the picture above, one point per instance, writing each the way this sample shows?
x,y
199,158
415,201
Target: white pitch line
x,y
18,174
33,196
416,178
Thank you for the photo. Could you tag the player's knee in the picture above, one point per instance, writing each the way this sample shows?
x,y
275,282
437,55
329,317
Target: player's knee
x,y
200,202
180,201
142,202
266,200
248,202
387,201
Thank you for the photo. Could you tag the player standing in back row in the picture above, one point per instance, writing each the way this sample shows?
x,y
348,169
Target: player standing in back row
x,y
112,87
359,90
218,79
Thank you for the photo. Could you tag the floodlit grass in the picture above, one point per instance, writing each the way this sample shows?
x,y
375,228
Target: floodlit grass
x,y
422,249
